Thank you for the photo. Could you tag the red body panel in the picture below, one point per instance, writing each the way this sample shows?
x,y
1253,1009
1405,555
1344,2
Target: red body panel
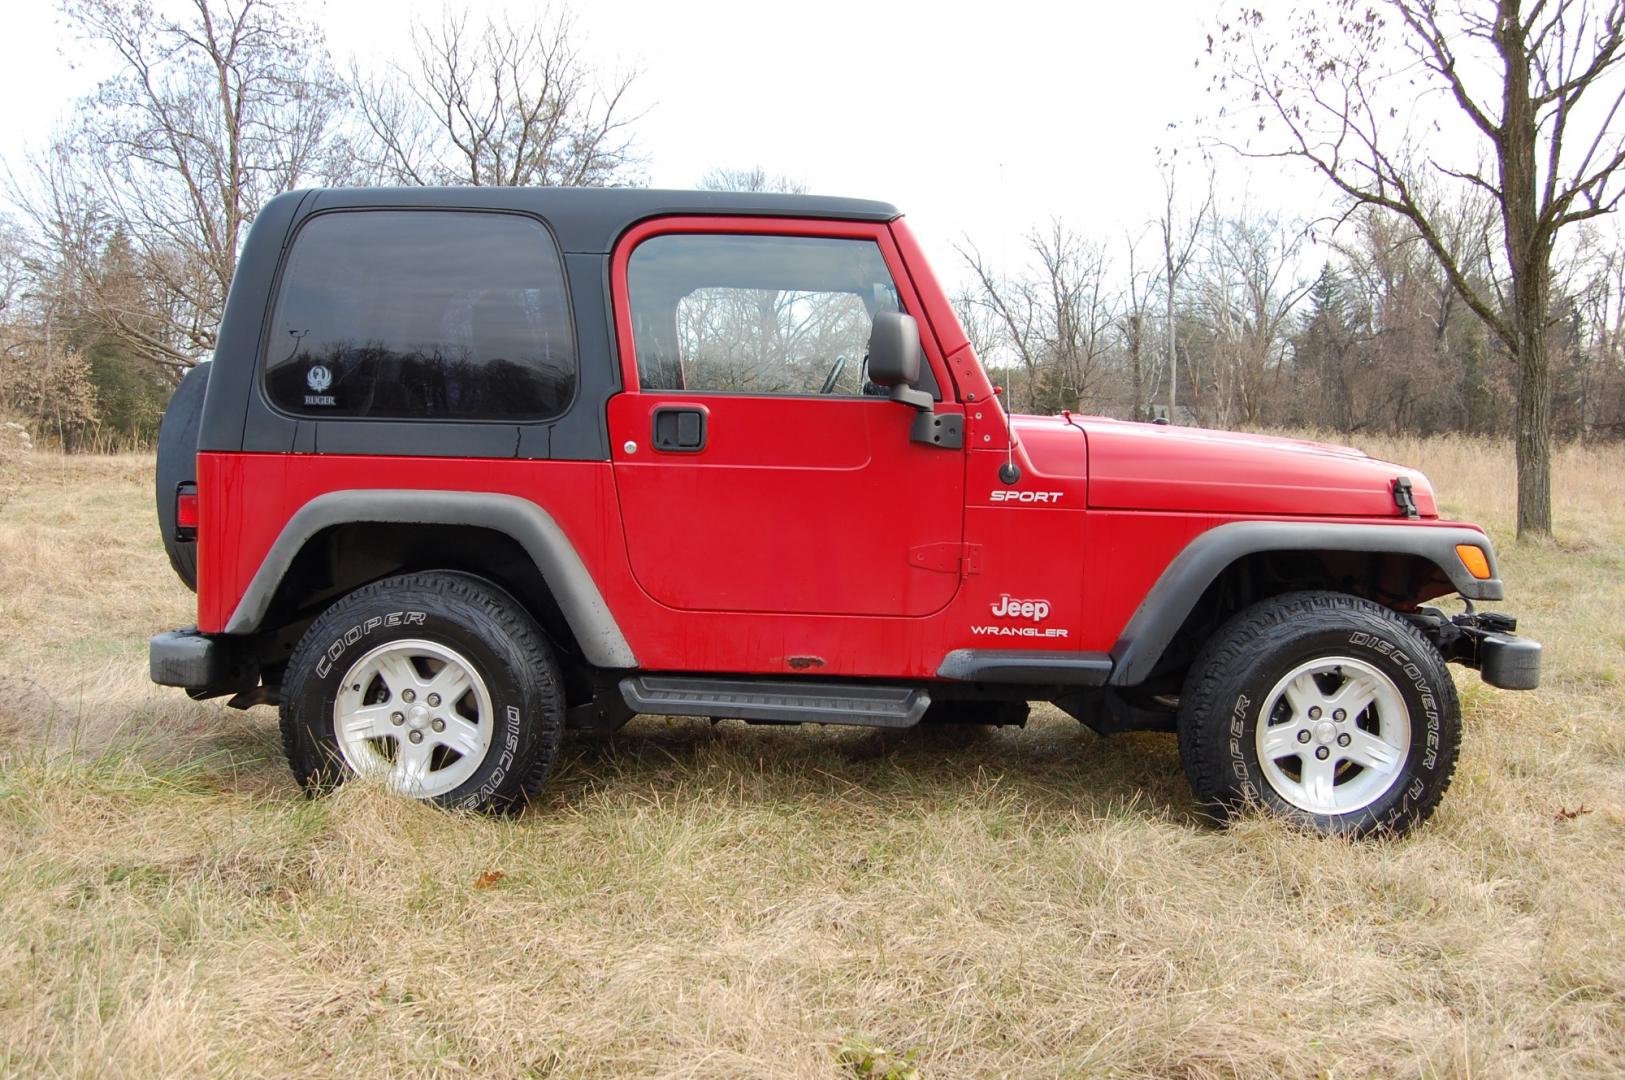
x,y
1159,467
795,505
811,536
801,505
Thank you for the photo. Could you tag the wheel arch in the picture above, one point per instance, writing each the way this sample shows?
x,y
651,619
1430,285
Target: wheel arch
x,y
1236,564
508,540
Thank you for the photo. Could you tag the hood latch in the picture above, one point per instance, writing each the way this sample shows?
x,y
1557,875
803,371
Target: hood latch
x,y
1403,498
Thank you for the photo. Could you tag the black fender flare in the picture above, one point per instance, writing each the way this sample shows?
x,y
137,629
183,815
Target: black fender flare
x,y
1187,577
527,524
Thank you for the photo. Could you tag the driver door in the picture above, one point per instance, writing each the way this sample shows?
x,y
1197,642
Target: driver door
x,y
754,471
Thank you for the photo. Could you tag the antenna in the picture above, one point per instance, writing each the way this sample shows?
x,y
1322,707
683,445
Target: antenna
x,y
1009,472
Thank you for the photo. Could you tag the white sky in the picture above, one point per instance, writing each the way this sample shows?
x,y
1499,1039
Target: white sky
x,y
978,120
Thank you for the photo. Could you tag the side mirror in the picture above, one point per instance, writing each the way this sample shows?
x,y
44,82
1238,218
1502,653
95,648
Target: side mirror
x,y
894,350
895,362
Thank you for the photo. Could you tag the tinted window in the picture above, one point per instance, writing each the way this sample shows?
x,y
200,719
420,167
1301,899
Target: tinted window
x,y
422,314
756,314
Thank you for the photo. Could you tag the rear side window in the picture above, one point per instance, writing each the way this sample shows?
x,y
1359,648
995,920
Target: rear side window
x,y
422,314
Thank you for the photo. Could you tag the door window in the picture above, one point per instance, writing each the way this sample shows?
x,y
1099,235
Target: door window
x,y
784,315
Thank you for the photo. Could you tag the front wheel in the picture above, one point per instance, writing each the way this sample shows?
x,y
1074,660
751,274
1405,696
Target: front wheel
x,y
1324,708
440,684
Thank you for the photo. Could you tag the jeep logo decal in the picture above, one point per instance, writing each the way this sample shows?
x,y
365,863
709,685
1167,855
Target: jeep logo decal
x,y
1007,608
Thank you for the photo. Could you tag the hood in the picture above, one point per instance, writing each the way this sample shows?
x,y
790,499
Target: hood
x,y
1134,466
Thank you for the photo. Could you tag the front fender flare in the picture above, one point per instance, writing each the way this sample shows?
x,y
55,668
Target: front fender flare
x,y
527,524
1171,599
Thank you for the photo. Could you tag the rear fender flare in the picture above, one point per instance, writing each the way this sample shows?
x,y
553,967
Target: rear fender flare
x,y
1171,599
527,524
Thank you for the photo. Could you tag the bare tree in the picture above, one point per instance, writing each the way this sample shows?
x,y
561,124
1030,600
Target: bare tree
x,y
982,329
1057,317
1179,243
1601,374
753,179
1537,86
1248,292
1134,327
502,102
1077,311
216,106
1011,306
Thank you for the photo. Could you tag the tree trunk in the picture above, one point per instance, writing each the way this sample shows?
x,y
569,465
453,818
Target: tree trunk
x,y
1534,438
1173,348
1138,376
1529,253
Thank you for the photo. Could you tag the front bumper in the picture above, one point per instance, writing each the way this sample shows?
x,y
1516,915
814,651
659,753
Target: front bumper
x,y
205,665
1509,661
1485,642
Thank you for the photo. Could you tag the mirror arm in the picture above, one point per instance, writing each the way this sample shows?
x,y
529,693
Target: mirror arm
x,y
904,394
930,427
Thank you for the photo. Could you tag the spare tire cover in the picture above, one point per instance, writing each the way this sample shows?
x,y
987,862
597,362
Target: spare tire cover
x,y
177,464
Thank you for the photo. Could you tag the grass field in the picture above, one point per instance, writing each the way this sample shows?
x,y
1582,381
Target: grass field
x,y
736,901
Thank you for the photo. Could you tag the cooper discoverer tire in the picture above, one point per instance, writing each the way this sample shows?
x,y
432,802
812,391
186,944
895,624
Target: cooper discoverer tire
x,y
439,682
1327,709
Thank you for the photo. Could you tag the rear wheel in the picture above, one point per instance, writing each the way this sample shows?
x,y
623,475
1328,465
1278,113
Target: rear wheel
x,y
1327,709
440,684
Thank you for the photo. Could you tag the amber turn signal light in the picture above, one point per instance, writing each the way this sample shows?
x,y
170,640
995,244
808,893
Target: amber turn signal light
x,y
1473,558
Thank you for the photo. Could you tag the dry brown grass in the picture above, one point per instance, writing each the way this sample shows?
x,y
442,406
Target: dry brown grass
x,y
691,901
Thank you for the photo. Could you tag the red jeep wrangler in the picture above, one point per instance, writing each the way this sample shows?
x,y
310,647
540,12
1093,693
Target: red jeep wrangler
x,y
474,465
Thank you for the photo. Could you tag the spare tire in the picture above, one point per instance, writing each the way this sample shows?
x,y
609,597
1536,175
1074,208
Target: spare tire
x,y
177,465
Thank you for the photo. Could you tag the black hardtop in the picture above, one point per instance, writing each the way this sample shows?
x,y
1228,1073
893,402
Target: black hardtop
x,y
587,220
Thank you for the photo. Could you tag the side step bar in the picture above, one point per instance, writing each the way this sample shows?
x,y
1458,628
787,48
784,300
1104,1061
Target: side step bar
x,y
782,702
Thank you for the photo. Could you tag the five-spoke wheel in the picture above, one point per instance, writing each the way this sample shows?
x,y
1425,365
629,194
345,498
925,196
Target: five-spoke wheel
x,y
416,712
1332,735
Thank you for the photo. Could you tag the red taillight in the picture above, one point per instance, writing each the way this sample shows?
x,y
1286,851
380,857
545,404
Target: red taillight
x,y
186,512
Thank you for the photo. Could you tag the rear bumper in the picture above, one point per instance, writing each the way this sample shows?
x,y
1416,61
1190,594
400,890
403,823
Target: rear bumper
x,y
206,665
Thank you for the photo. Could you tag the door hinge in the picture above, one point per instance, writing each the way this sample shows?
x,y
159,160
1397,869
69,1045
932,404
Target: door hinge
x,y
947,558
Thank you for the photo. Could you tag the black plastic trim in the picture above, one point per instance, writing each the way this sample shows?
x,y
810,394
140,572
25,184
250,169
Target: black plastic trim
x,y
1509,661
778,701
1030,666
944,429
658,440
200,662
1182,583
529,525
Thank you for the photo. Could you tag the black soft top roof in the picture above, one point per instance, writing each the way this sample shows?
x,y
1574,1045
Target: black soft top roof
x,y
589,219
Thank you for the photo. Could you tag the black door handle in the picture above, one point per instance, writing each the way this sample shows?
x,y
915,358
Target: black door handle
x,y
679,430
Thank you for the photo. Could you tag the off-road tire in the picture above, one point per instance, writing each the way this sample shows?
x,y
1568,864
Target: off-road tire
x,y
1226,688
458,611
